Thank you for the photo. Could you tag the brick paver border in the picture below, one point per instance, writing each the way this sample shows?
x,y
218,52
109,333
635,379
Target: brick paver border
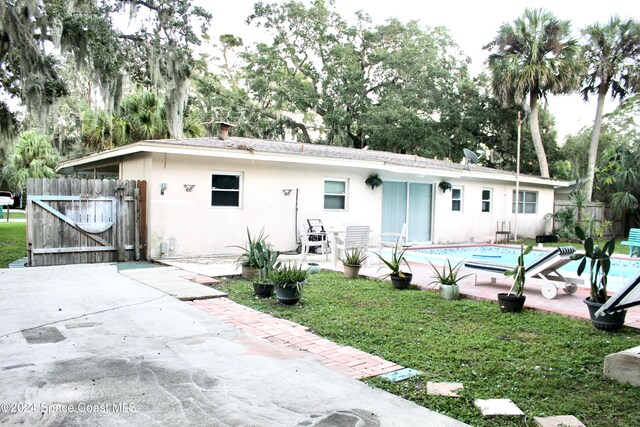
x,y
347,360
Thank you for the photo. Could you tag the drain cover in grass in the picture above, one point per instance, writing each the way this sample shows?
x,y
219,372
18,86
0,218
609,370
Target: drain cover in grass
x,y
400,375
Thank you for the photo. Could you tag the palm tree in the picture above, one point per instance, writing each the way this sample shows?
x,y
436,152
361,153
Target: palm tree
x,y
619,181
534,56
33,157
611,51
141,116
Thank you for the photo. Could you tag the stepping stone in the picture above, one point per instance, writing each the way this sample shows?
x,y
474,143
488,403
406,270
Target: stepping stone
x,y
400,375
444,389
206,280
558,421
624,366
497,407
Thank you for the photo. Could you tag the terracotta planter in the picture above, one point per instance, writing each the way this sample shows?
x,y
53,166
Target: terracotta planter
x,y
250,273
450,292
399,282
351,271
608,322
510,303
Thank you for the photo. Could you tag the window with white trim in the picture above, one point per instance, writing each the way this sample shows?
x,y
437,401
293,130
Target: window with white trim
x,y
456,199
527,202
225,189
486,199
335,194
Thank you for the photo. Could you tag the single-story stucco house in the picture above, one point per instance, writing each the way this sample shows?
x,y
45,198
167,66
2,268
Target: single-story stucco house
x,y
203,193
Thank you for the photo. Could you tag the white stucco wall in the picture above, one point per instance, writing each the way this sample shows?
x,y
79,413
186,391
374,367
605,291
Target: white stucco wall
x,y
471,222
189,226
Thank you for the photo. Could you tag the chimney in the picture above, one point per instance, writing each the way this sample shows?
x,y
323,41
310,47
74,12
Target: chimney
x,y
223,129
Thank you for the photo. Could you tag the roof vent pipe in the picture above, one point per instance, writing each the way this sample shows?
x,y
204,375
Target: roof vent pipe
x,y
223,129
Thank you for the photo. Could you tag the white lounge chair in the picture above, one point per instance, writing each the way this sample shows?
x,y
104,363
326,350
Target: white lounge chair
x,y
545,268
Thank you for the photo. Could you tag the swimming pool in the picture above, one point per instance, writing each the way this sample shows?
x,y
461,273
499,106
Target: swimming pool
x,y
621,269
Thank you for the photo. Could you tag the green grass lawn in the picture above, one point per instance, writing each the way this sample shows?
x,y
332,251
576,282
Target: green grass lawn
x,y
546,363
13,242
12,215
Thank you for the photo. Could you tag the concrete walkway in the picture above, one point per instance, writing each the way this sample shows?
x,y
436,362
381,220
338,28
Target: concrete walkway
x,y
348,360
85,345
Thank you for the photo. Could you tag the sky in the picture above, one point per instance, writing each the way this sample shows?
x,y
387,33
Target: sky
x,y
472,24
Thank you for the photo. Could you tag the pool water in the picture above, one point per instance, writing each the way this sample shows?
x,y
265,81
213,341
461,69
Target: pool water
x,y
621,269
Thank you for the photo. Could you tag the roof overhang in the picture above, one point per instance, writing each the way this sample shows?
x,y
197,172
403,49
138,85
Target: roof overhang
x,y
113,156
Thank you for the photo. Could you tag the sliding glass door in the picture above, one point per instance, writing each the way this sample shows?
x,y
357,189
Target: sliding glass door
x,y
407,202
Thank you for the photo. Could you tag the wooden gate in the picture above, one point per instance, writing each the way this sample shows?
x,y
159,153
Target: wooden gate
x,y
80,221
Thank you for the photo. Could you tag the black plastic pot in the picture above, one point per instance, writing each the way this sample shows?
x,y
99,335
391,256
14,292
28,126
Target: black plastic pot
x,y
511,303
288,294
607,322
401,282
263,290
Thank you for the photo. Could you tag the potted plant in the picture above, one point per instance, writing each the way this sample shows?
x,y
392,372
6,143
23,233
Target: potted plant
x,y
313,268
251,252
513,301
267,260
599,265
400,279
448,279
352,262
444,186
288,280
373,181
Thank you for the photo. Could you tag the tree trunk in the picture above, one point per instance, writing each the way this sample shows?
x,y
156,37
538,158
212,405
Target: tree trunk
x,y
535,136
593,148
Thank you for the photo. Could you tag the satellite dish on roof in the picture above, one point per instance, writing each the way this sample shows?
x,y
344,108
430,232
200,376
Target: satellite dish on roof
x,y
471,156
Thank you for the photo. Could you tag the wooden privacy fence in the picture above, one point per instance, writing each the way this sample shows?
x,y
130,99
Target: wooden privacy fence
x,y
80,221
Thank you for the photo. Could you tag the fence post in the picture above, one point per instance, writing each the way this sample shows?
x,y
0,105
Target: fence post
x,y
120,224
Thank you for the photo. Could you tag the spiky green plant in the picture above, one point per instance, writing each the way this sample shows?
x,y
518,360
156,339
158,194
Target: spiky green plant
x,y
449,275
288,275
518,273
599,264
354,256
395,262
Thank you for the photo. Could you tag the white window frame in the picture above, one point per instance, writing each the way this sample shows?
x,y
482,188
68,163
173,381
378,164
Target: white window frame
x,y
524,203
460,199
344,195
489,200
239,190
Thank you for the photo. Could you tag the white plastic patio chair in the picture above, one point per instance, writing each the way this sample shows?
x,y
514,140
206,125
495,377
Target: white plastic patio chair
x,y
388,240
306,243
355,236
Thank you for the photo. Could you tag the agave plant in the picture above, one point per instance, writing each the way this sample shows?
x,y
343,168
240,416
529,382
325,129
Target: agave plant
x,y
354,256
599,264
253,250
449,275
395,262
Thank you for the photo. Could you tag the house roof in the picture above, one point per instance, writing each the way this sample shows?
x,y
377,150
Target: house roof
x,y
295,152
